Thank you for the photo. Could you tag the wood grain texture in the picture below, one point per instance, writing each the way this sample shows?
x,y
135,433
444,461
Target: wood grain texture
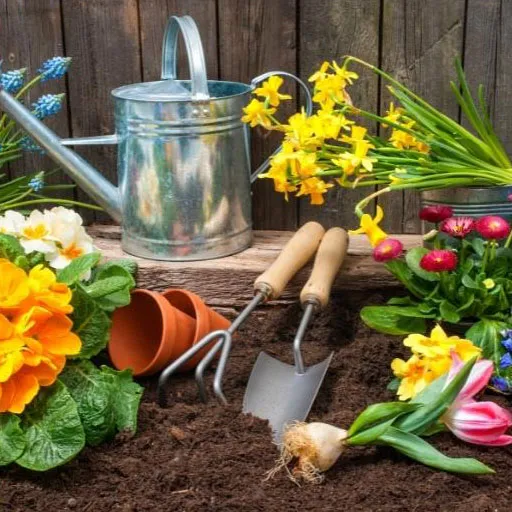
x,y
420,40
102,36
256,36
329,30
228,282
153,19
30,33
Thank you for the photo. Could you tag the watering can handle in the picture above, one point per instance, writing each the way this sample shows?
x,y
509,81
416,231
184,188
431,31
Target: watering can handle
x,y
309,110
188,28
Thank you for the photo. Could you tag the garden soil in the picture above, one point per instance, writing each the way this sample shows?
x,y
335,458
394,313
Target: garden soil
x,y
194,457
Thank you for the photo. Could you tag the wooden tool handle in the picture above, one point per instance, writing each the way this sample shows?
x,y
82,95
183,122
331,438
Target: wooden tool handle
x,y
328,261
293,257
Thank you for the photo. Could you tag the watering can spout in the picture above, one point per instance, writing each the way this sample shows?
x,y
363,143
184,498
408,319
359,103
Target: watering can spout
x,y
84,174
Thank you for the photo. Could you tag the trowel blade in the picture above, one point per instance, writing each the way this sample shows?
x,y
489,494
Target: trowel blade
x,y
277,393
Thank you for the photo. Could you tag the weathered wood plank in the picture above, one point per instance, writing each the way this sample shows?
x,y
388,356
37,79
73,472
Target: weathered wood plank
x,y
228,282
421,38
254,37
153,19
30,33
329,30
103,38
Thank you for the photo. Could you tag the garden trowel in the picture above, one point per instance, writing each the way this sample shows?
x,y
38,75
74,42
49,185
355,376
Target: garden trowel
x,y
283,393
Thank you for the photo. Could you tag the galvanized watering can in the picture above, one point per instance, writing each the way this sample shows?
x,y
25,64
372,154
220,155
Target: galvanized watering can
x,y
183,158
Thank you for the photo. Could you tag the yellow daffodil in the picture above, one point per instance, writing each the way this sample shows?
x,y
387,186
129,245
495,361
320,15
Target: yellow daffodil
x,y
414,375
370,227
347,76
350,162
329,90
357,134
315,188
318,75
393,114
270,91
326,125
256,113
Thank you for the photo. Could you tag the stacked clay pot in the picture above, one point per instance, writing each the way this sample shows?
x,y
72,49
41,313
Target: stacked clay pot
x,y
157,328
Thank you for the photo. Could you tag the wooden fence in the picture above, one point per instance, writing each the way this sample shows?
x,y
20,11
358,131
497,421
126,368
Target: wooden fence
x,y
115,42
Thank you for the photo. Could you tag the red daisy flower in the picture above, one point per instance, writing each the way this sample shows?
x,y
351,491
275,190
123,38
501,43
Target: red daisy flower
x,y
493,227
435,213
458,226
439,260
388,249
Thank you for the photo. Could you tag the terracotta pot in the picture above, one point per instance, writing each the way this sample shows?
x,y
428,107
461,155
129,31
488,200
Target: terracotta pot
x,y
207,320
149,333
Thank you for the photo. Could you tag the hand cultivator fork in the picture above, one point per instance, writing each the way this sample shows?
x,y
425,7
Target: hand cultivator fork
x,y
268,286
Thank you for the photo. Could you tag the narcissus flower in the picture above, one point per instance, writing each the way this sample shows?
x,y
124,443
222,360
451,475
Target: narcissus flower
x,y
483,423
270,91
257,114
436,213
439,260
388,249
493,227
370,227
458,227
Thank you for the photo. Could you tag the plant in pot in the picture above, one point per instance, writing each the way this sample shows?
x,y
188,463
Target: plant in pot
x,y
464,283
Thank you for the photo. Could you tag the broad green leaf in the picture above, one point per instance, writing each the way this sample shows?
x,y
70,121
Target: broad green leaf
x,y
420,420
413,258
12,438
486,334
53,430
478,245
431,392
449,312
393,319
126,263
468,282
377,413
128,396
78,268
370,434
107,286
401,301
418,449
118,298
95,397
418,287
10,247
90,323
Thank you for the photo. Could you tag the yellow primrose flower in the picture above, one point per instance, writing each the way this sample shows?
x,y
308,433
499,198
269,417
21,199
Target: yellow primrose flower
x,y
414,375
270,91
318,75
257,114
347,76
488,283
315,188
370,227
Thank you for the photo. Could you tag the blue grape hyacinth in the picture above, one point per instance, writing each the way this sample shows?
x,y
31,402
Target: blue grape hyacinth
x,y
47,105
36,183
54,68
500,384
29,145
12,81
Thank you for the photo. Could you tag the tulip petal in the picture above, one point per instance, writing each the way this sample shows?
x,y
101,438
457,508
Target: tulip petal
x,y
477,380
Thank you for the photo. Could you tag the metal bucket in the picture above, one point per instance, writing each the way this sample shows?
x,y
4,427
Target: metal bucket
x,y
469,201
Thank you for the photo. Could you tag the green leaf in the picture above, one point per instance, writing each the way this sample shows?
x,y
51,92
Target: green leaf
x,y
377,413
431,392
128,394
449,312
393,385
12,438
95,397
401,301
486,334
78,267
418,449
107,286
126,263
53,430
10,247
394,319
371,434
115,299
478,245
90,323
404,274
420,420
413,258
468,282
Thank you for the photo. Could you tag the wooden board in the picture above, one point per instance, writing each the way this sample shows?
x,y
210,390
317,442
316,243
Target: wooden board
x,y
254,37
228,282
420,40
30,33
102,36
329,30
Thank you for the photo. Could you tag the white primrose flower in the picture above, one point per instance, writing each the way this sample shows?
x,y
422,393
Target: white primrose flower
x,y
70,236
35,233
11,222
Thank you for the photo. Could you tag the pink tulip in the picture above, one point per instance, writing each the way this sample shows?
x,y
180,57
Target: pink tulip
x,y
482,423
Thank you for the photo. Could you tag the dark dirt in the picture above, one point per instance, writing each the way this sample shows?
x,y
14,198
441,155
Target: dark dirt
x,y
193,456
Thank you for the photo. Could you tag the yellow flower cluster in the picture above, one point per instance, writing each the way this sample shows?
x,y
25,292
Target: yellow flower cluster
x,y
430,359
35,333
401,139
